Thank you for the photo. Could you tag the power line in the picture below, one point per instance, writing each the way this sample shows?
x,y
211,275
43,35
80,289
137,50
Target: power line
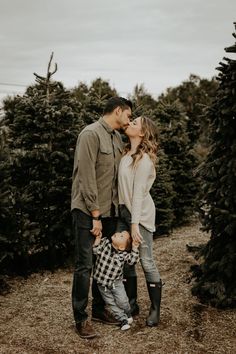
x,y
11,84
9,92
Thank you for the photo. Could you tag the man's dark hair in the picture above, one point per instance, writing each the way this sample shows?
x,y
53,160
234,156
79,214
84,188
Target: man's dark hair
x,y
115,102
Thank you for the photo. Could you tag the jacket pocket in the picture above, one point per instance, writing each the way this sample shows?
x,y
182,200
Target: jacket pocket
x,y
105,155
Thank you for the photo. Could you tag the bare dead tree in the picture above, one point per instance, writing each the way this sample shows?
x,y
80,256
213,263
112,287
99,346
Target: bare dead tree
x,y
46,81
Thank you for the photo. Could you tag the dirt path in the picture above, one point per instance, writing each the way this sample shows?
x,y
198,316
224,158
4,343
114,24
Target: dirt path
x,y
36,315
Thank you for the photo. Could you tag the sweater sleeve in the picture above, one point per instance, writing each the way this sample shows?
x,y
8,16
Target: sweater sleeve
x,y
132,257
142,173
86,154
99,248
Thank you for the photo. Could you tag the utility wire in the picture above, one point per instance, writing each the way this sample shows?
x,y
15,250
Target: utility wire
x,y
9,84
9,92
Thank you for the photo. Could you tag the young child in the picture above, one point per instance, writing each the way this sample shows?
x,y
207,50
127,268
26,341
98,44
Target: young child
x,y
111,257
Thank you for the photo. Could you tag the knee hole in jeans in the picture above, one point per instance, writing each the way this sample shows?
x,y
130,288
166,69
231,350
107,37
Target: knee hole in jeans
x,y
148,264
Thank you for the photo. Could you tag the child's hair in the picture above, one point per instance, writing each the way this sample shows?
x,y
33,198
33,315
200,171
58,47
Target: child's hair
x,y
128,243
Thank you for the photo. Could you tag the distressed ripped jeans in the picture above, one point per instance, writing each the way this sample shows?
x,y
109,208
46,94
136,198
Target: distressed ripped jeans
x,y
150,269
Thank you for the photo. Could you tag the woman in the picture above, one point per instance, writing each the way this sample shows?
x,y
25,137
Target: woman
x,y
137,209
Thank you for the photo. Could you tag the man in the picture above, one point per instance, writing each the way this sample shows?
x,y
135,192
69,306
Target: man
x,y
95,203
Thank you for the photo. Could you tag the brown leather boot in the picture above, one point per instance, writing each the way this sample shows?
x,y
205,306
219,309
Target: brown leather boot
x,y
85,330
105,317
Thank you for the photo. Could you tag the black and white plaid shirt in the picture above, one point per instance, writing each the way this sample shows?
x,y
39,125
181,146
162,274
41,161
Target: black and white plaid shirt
x,y
109,263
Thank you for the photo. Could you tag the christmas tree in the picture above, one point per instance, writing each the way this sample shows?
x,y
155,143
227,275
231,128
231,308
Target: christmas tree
x,y
181,162
163,195
216,281
43,127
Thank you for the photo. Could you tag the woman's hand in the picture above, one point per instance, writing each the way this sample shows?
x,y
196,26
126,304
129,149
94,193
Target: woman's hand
x,y
135,233
135,245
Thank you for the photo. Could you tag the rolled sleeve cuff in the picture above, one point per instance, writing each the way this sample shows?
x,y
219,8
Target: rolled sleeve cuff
x,y
91,205
95,249
135,221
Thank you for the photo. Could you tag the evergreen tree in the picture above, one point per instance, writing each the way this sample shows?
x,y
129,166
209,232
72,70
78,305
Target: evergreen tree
x,y
181,162
195,94
163,195
7,221
143,102
43,128
216,282
92,100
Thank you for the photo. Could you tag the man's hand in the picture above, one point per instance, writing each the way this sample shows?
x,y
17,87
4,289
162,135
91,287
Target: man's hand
x,y
135,233
97,228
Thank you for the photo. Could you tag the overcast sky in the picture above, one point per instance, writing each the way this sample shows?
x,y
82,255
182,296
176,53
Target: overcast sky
x,y
127,42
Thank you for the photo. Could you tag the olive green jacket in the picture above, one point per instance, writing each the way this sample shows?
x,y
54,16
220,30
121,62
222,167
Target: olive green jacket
x,y
94,180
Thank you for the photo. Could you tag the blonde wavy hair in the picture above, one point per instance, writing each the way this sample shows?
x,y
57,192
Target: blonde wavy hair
x,y
149,143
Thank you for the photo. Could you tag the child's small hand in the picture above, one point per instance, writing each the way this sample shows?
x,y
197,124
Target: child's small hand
x,y
99,235
97,239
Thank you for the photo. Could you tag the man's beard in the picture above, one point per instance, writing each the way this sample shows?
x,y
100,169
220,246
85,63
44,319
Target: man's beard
x,y
123,129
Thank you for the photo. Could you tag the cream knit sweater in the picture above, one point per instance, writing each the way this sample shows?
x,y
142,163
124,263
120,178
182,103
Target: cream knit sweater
x,y
134,185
